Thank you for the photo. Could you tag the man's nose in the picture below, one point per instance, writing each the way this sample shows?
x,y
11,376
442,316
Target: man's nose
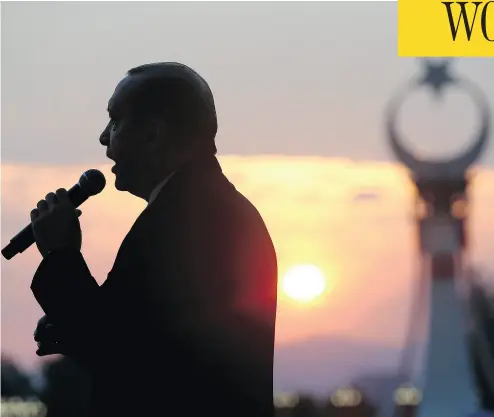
x,y
104,138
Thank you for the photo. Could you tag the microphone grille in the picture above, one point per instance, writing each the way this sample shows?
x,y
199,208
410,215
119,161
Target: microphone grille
x,y
92,181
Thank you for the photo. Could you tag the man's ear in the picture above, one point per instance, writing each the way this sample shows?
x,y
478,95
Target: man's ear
x,y
156,130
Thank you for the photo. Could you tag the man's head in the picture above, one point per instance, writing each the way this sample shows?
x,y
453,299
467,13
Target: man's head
x,y
161,115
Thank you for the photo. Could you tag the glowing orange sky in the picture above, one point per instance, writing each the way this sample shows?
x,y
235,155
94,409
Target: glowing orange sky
x,y
365,246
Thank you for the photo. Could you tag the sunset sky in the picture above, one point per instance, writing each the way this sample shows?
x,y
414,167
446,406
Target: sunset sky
x,y
365,247
300,102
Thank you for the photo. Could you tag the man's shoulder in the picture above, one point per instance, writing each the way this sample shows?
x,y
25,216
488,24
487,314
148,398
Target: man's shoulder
x,y
206,205
222,202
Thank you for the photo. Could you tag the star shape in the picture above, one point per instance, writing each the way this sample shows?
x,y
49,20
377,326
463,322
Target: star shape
x,y
437,76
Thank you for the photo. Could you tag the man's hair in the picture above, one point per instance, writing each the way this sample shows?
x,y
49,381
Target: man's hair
x,y
178,95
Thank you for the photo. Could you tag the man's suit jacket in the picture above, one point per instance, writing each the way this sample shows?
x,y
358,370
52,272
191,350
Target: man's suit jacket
x,y
185,322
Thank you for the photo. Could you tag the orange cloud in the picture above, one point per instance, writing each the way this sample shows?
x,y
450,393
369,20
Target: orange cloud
x,y
366,248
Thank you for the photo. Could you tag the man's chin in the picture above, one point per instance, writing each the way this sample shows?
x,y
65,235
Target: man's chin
x,y
119,186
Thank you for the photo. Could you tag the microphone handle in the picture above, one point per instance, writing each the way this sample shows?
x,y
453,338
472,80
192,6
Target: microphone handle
x,y
19,243
25,238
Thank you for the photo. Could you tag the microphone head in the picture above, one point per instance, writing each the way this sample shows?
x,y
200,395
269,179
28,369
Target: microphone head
x,y
92,182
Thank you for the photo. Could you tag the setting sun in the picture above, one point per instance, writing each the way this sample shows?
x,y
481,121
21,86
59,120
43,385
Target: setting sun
x,y
304,282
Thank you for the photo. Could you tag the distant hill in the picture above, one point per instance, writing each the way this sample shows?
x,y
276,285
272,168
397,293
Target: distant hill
x,y
319,365
379,387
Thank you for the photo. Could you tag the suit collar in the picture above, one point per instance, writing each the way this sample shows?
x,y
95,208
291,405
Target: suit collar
x,y
200,166
158,188
193,172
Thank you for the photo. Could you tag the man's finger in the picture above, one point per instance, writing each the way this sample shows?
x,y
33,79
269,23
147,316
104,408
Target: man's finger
x,y
41,352
47,332
63,196
42,206
34,214
48,349
51,199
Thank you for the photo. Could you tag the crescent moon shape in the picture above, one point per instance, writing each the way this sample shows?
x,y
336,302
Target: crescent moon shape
x,y
453,167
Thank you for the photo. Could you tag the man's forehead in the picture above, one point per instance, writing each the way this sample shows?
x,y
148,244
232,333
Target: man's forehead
x,y
122,92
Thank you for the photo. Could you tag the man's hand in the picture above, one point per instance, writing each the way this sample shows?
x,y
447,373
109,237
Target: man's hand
x,y
55,223
53,342
48,339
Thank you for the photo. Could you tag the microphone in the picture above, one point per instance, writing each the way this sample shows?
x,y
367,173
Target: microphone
x,y
91,183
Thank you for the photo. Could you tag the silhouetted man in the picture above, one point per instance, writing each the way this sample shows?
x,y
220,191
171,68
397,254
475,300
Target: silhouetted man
x,y
184,325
